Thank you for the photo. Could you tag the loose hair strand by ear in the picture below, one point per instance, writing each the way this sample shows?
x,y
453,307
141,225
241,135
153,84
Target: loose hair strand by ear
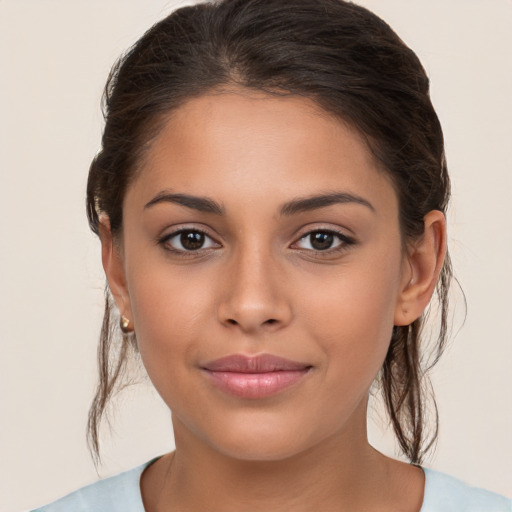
x,y
114,352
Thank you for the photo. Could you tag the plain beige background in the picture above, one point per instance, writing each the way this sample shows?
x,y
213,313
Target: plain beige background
x,y
54,59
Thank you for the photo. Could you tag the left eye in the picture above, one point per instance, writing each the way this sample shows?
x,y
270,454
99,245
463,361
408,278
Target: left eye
x,y
322,240
189,240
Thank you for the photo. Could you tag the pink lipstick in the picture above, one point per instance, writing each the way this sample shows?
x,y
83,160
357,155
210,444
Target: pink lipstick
x,y
255,376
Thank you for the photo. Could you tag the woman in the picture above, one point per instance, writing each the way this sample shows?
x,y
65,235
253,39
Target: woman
x,y
270,200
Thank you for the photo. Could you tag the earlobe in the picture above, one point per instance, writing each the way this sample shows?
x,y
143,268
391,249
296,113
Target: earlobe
x,y
112,260
422,267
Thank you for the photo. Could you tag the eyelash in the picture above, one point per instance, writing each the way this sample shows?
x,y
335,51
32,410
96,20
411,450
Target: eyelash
x,y
164,241
344,242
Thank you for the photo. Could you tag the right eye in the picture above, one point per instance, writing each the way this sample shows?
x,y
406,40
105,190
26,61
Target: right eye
x,y
188,240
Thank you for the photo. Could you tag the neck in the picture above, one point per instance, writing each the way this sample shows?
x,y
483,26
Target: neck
x,y
342,473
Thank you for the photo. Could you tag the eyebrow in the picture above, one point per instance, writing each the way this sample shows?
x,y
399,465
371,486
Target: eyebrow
x,y
321,201
299,205
202,204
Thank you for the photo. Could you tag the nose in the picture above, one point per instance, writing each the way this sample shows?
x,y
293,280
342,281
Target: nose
x,y
254,297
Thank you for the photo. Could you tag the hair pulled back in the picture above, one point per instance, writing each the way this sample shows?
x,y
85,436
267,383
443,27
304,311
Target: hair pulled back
x,y
334,52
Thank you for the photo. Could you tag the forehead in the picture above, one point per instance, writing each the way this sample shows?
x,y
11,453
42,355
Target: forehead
x,y
245,143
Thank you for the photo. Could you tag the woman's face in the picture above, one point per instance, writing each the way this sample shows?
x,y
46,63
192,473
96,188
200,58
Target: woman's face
x,y
261,226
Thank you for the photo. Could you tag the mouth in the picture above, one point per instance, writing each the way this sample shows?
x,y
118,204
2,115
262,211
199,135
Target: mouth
x,y
255,376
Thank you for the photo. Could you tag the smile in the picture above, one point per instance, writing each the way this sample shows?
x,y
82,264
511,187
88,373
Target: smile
x,y
254,377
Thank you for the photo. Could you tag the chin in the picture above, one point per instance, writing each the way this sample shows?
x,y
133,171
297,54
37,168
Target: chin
x,y
271,451
261,439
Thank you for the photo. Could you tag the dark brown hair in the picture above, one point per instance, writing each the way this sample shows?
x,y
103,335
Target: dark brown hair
x,y
340,55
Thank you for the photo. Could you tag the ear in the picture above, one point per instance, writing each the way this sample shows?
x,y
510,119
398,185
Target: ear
x,y
112,260
421,269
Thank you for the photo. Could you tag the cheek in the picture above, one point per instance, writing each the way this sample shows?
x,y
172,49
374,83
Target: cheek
x,y
351,315
169,310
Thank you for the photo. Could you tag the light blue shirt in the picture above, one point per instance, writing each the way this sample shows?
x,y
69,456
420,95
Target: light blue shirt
x,y
121,493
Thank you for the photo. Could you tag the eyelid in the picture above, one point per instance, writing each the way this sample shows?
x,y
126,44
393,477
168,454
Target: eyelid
x,y
164,240
345,240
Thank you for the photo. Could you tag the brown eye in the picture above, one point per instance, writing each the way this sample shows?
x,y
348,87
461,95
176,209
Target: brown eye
x,y
324,240
321,240
192,240
187,240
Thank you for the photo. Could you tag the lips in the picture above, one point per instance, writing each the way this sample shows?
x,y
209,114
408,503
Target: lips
x,y
254,377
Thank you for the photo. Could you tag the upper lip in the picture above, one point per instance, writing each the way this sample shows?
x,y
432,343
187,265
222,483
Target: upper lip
x,y
262,363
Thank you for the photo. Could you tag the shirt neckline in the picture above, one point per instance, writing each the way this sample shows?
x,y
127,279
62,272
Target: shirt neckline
x,y
426,493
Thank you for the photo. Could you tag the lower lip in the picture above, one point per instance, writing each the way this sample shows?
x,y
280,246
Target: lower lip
x,y
256,385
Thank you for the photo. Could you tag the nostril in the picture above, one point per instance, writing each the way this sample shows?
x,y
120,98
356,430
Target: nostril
x,y
232,322
271,321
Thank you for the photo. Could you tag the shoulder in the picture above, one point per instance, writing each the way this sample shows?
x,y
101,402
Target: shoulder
x,y
444,493
120,493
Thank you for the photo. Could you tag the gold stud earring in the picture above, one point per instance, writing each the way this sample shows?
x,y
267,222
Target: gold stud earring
x,y
124,324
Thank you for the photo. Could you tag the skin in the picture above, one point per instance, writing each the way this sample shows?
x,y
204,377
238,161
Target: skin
x,y
258,285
